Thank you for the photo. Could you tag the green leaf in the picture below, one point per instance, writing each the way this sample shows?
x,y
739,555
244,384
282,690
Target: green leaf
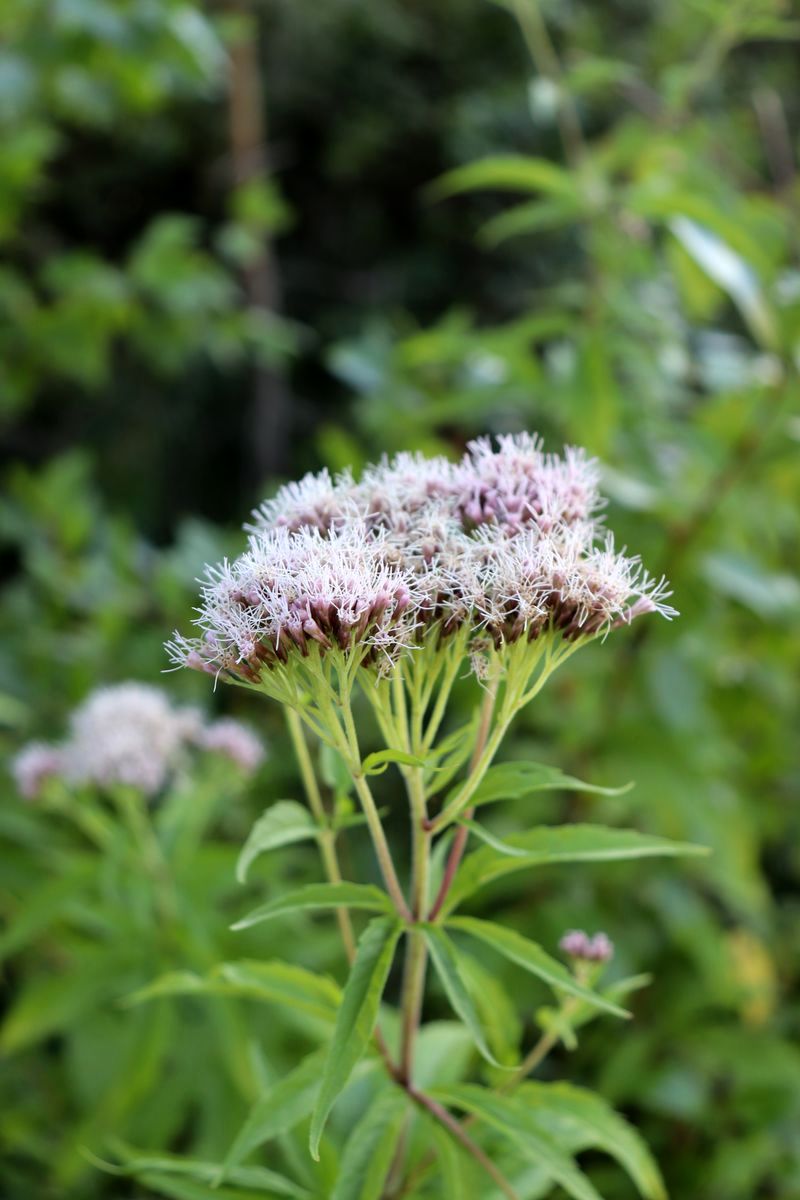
x,y
376,764
170,1166
320,895
281,1107
284,823
273,982
533,958
587,1121
53,1003
445,959
370,1149
532,216
558,844
450,1159
510,1117
729,271
179,1188
513,780
510,172
357,1016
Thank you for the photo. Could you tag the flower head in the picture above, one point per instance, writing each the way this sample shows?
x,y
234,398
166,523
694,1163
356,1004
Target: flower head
x,y
504,543
235,741
517,485
582,947
130,734
34,765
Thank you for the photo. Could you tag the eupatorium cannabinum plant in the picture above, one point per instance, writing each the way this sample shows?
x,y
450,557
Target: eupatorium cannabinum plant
x,y
390,588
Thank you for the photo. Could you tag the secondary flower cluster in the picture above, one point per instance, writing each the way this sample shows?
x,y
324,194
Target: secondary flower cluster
x,y
507,543
130,734
581,946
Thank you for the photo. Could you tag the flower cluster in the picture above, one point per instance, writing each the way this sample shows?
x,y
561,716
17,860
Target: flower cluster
x,y
580,946
507,542
130,734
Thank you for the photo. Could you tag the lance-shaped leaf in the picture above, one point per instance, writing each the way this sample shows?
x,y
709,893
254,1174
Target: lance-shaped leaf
x,y
284,823
558,844
509,1116
320,895
370,1149
376,764
531,957
585,1120
508,172
172,1175
357,1016
445,958
273,982
280,1108
512,780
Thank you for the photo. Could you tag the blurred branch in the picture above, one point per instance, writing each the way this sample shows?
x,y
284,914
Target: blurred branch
x,y
547,63
268,425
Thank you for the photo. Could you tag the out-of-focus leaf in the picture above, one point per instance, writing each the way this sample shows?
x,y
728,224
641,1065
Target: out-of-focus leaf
x,y
508,172
586,1120
370,1149
510,1118
281,1107
273,982
731,273
283,823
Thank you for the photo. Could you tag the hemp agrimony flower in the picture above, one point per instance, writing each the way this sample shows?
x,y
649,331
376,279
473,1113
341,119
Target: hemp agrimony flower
x,y
130,735
395,585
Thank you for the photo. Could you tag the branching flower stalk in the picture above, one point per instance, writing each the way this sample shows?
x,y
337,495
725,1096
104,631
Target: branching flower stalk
x,y
390,589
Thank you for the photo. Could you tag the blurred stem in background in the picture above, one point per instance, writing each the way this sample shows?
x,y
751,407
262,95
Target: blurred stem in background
x,y
268,427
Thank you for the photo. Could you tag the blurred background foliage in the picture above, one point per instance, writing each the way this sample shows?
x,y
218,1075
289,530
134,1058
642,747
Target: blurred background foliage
x,y
240,242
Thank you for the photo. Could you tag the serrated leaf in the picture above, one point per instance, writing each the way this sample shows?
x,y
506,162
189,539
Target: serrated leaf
x,y
281,1107
320,895
559,844
509,172
376,763
445,958
357,1016
587,1121
370,1149
283,823
509,1117
272,982
531,957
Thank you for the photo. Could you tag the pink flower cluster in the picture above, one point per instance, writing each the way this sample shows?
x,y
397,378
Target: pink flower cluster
x,y
507,541
580,945
130,734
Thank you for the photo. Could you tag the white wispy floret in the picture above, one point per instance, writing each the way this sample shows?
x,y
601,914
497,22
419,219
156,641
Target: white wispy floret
x,y
289,590
131,734
317,501
518,485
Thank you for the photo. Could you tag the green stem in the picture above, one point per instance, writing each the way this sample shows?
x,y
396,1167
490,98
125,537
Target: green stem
x,y
327,839
416,946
